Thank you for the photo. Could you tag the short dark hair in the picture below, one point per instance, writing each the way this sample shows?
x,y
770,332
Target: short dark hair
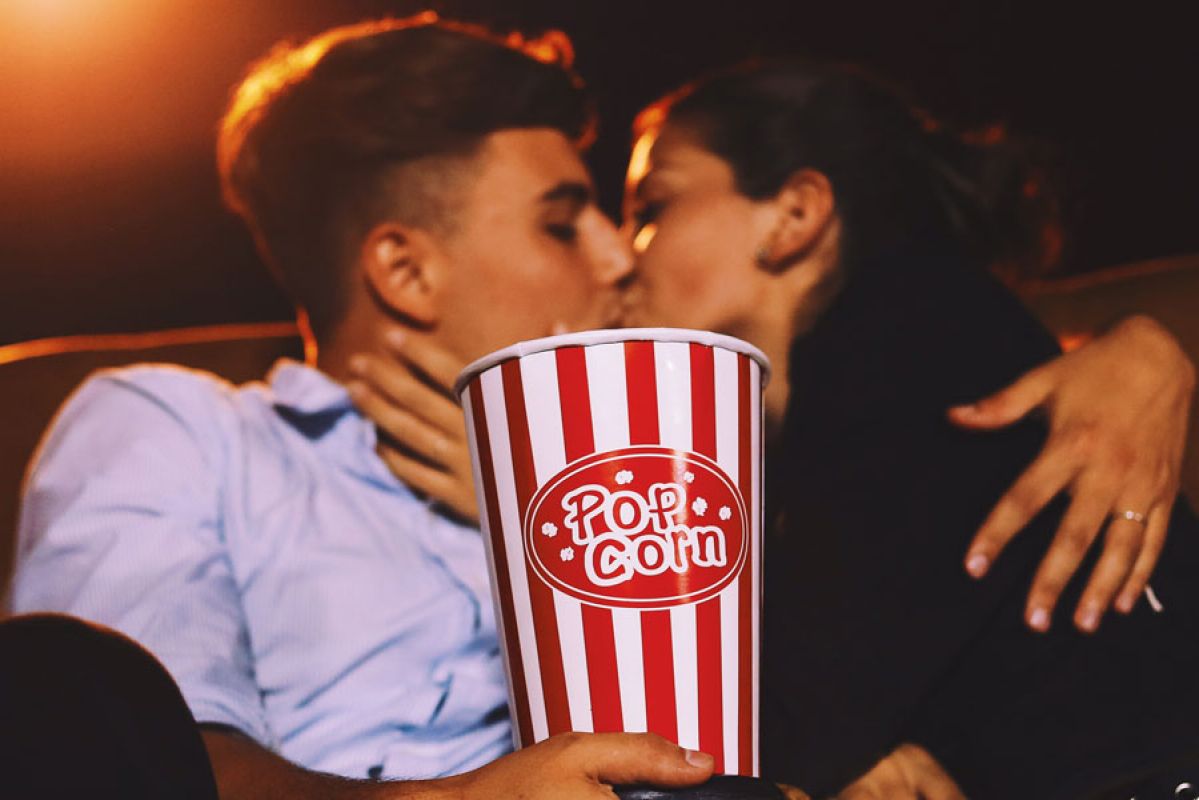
x,y
901,178
324,140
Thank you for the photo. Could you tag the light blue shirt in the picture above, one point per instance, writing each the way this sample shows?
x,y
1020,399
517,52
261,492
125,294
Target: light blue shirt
x,y
252,539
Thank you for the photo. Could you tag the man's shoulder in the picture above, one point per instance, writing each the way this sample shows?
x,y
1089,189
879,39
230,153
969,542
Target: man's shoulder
x,y
155,401
172,387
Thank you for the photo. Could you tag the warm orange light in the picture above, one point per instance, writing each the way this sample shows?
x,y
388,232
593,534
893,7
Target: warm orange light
x,y
639,159
551,47
82,82
39,348
644,237
55,20
1073,341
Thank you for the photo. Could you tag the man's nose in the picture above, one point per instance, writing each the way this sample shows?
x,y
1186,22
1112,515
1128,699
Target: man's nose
x,y
613,254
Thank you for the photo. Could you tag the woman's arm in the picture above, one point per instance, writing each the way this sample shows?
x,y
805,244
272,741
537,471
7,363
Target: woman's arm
x,y
1117,411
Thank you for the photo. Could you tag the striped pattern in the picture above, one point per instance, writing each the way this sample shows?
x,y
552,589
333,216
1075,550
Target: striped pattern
x,y
688,672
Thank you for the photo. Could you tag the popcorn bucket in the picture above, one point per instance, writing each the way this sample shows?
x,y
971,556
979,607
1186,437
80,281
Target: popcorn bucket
x,y
619,478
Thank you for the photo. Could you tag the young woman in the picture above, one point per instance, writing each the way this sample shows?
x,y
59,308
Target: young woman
x,y
812,213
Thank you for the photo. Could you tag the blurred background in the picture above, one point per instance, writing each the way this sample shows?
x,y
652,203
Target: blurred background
x,y
110,218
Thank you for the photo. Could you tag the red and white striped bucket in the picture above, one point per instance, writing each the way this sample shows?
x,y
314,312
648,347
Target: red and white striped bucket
x,y
619,476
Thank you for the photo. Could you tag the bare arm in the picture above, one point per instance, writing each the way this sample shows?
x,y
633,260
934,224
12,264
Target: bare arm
x,y
245,769
575,766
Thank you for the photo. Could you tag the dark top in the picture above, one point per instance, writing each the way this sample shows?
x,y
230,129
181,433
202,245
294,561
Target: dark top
x,y
874,633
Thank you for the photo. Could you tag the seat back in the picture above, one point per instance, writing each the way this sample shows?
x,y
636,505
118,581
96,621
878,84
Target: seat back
x,y
37,376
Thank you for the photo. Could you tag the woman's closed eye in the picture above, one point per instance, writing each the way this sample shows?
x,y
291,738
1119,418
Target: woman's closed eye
x,y
566,232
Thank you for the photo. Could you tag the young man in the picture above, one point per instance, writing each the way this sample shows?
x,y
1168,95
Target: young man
x,y
410,178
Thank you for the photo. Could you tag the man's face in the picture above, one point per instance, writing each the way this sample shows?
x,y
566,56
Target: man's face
x,y
531,252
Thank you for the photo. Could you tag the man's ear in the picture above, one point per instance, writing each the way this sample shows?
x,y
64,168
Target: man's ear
x,y
404,270
805,208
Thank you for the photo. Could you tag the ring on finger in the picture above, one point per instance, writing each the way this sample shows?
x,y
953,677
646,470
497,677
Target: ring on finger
x,y
1131,516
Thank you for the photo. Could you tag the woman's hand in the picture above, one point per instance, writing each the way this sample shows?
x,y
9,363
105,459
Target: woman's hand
x,y
422,430
1117,410
909,773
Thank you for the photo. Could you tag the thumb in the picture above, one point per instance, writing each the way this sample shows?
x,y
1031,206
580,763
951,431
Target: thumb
x,y
1005,406
623,758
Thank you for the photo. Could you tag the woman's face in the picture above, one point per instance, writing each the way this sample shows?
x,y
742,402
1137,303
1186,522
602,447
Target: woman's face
x,y
695,238
711,258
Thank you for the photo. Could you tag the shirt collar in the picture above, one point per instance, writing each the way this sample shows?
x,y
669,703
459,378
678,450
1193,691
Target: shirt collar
x,y
343,436
305,390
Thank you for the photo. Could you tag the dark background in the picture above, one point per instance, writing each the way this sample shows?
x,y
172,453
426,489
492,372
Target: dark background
x,y
110,218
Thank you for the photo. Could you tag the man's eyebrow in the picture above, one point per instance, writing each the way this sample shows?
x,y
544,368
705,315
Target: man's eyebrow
x,y
575,192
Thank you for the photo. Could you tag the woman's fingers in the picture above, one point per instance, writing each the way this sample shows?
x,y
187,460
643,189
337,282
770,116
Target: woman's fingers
x,y
1007,405
1078,530
422,429
1044,479
438,365
402,426
404,390
414,472
442,487
1123,543
1151,550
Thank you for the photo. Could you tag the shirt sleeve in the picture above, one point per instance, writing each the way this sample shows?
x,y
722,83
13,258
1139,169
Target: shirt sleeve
x,y
121,524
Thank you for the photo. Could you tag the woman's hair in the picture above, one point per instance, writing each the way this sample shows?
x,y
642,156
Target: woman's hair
x,y
901,180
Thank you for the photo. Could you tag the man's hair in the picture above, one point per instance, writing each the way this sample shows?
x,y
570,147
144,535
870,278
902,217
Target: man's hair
x,y
364,123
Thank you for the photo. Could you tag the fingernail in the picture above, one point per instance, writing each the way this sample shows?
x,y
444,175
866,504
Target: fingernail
x,y
355,390
977,564
1088,620
1125,603
1038,620
396,338
697,759
967,410
358,364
